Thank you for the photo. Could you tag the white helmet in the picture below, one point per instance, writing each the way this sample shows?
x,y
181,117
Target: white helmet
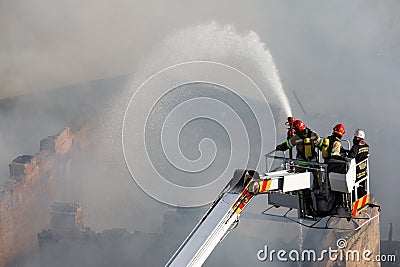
x,y
360,134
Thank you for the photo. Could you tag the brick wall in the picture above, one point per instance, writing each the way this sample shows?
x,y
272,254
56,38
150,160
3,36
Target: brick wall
x,y
35,183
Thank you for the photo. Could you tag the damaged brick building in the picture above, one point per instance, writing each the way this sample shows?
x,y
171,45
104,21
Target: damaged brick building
x,y
35,182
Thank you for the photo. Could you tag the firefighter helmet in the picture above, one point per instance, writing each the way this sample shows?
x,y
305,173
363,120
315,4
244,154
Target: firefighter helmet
x,y
339,129
290,121
299,126
359,134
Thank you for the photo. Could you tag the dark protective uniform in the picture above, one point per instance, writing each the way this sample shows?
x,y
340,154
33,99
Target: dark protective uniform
x,y
359,151
336,160
298,141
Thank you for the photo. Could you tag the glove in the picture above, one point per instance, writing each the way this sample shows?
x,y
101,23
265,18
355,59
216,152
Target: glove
x,y
281,147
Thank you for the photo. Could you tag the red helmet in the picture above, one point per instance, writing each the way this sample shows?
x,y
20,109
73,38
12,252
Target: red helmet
x,y
290,121
339,129
299,125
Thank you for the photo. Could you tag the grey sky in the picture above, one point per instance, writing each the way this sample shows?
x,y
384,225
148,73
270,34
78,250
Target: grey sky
x,y
48,44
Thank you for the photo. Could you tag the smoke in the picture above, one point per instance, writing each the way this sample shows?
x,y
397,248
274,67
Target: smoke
x,y
47,45
341,58
28,119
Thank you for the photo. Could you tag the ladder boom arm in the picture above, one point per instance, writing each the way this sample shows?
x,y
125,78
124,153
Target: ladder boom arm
x,y
224,214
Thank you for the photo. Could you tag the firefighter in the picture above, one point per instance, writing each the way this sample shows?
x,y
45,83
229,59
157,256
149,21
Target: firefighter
x,y
305,141
359,151
334,155
335,149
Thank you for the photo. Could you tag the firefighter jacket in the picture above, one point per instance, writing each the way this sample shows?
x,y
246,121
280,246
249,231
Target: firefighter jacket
x,y
298,141
359,151
335,149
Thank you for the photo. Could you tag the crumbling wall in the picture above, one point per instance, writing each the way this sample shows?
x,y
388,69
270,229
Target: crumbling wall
x,y
35,182
69,243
